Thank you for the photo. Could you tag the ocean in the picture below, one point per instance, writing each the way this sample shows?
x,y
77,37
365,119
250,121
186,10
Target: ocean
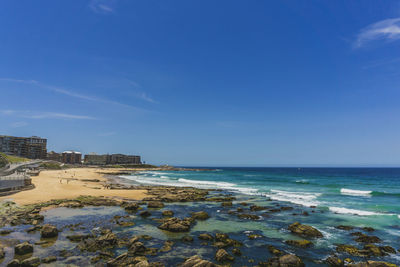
x,y
360,197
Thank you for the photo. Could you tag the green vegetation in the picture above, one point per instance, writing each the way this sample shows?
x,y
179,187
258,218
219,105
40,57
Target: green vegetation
x,y
51,166
14,159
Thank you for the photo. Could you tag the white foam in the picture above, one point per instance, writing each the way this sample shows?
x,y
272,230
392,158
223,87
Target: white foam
x,y
353,211
352,192
300,198
211,183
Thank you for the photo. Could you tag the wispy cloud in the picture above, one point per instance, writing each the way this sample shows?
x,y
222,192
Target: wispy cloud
x,y
73,94
102,6
19,124
44,115
140,94
388,29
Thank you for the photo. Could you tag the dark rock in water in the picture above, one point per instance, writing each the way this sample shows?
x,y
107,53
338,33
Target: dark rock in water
x,y
167,246
374,250
368,229
137,248
49,231
363,238
5,232
130,206
2,253
78,238
273,250
352,250
168,213
244,203
221,237
145,213
31,262
287,260
14,263
257,208
373,264
254,236
388,249
236,252
299,243
222,255
155,205
286,208
176,225
304,230
345,227
206,237
305,213
126,259
49,259
334,261
23,248
200,215
187,238
248,216
226,204
196,261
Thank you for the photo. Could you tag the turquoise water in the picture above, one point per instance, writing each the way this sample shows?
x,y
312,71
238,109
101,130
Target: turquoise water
x,y
333,196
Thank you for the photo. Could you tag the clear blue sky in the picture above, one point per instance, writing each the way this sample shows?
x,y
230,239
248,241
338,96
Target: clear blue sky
x,y
229,83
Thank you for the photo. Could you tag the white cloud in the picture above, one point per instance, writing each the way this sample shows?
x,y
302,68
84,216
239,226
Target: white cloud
x,y
102,6
43,115
388,29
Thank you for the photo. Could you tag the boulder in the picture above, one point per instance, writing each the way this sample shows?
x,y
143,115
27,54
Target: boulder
x,y
23,248
248,216
363,238
131,206
155,205
196,261
49,259
334,261
373,264
49,231
168,213
222,255
187,238
145,213
14,263
176,225
257,208
236,252
200,215
299,243
137,248
352,250
345,227
273,250
206,237
290,260
31,262
226,204
305,230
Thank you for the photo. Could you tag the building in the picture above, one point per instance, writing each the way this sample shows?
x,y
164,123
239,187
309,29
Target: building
x,y
71,157
28,147
94,159
54,156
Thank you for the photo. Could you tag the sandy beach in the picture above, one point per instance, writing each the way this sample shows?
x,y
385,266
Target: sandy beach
x,y
71,183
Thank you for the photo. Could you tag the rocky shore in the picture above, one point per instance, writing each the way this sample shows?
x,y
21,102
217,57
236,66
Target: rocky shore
x,y
28,238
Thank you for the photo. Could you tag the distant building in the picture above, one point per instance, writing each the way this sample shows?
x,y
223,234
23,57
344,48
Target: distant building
x,y
71,157
54,156
28,147
94,159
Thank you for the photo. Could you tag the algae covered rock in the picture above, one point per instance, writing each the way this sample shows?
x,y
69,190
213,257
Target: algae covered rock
x,y
49,231
155,205
222,255
197,262
299,243
176,225
31,262
305,230
334,261
168,213
200,215
23,248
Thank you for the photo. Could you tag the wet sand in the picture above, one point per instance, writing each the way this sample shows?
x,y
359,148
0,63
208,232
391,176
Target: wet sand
x,y
70,183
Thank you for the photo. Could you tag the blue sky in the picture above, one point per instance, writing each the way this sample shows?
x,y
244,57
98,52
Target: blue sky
x,y
228,83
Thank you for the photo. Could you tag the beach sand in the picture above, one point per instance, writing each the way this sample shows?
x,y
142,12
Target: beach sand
x,y
48,186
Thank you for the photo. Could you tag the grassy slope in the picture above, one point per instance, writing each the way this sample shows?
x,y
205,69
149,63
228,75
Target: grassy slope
x,y
14,159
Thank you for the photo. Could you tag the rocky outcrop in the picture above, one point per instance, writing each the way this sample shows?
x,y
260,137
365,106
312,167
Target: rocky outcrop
x,y
155,205
363,238
168,213
206,237
305,230
31,262
288,260
221,255
49,231
176,225
373,264
130,206
299,243
200,215
23,248
196,261
334,261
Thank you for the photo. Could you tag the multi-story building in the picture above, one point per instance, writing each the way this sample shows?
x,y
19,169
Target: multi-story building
x,y
71,157
28,147
94,159
54,156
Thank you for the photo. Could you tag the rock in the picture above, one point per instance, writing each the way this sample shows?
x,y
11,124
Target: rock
x,y
273,250
14,263
388,249
145,213
299,243
49,259
373,264
248,216
107,239
352,250
131,206
254,236
200,215
187,238
290,260
334,261
137,248
257,208
5,232
362,238
196,261
368,229
226,204
168,213
49,231
374,250
126,259
345,227
155,205
31,262
176,225
222,255
206,237
236,252
2,253
23,248
221,237
305,230
286,208
167,246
